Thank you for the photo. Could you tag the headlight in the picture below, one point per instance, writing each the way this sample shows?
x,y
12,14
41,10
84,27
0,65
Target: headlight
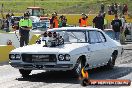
x,y
67,57
12,56
18,57
61,57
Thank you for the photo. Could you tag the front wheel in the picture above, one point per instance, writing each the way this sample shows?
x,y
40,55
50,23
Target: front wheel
x,y
24,73
78,67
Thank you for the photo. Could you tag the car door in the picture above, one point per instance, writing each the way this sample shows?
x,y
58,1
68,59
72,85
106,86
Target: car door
x,y
105,47
96,48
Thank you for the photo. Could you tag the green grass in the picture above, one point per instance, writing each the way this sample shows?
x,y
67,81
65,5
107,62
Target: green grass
x,y
61,6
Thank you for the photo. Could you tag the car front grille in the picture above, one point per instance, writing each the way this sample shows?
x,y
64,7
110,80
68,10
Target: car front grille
x,y
30,58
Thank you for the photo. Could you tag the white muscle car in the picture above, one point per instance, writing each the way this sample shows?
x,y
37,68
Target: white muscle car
x,y
68,48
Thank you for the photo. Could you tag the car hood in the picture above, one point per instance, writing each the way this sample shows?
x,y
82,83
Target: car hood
x,y
37,48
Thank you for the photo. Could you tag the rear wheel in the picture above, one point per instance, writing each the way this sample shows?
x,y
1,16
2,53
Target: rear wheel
x,y
111,62
24,73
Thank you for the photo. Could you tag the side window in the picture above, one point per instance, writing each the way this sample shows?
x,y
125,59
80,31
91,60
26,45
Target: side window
x,y
93,38
101,37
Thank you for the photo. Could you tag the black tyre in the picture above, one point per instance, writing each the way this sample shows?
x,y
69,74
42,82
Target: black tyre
x,y
78,67
111,62
25,73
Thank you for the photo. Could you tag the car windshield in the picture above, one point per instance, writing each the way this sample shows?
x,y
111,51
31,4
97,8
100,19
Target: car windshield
x,y
73,36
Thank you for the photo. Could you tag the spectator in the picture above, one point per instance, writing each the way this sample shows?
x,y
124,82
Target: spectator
x,y
116,26
3,21
126,32
12,14
123,32
109,9
6,25
115,8
83,20
98,21
51,21
8,16
64,21
24,28
112,8
61,17
125,9
55,21
60,20
120,8
123,20
105,21
60,23
102,8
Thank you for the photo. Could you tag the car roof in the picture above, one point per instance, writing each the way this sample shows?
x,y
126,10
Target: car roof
x,y
74,28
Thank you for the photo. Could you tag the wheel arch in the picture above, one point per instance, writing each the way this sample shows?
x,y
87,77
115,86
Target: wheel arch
x,y
83,59
115,52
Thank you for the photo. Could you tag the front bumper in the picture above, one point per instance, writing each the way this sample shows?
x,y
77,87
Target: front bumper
x,y
37,66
